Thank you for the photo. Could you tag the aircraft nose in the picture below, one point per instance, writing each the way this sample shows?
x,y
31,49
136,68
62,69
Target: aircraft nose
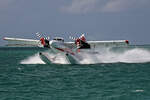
x,y
51,42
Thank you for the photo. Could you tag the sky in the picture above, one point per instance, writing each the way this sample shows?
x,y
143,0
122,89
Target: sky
x,y
98,19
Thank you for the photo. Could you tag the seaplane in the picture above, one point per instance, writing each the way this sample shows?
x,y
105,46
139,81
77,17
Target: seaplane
x,y
70,51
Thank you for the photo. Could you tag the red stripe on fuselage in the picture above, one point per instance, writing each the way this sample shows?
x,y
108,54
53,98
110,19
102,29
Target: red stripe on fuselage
x,y
60,49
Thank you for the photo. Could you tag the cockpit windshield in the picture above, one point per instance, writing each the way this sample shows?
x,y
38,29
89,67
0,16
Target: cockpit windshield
x,y
59,39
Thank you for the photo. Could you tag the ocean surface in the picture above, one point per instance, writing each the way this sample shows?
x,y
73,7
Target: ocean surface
x,y
121,74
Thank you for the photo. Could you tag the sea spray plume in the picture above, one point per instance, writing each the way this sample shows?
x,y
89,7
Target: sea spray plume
x,y
34,59
135,55
107,55
101,55
55,59
94,56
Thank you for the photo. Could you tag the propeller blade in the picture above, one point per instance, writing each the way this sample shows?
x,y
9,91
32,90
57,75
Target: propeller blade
x,y
38,34
73,38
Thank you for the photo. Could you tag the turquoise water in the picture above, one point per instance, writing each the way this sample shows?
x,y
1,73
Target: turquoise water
x,y
124,79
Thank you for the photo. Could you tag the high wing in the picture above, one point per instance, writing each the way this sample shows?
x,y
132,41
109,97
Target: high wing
x,y
109,43
95,44
22,42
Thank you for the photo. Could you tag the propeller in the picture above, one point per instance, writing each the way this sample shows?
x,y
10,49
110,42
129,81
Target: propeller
x,y
81,36
40,35
44,40
72,38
